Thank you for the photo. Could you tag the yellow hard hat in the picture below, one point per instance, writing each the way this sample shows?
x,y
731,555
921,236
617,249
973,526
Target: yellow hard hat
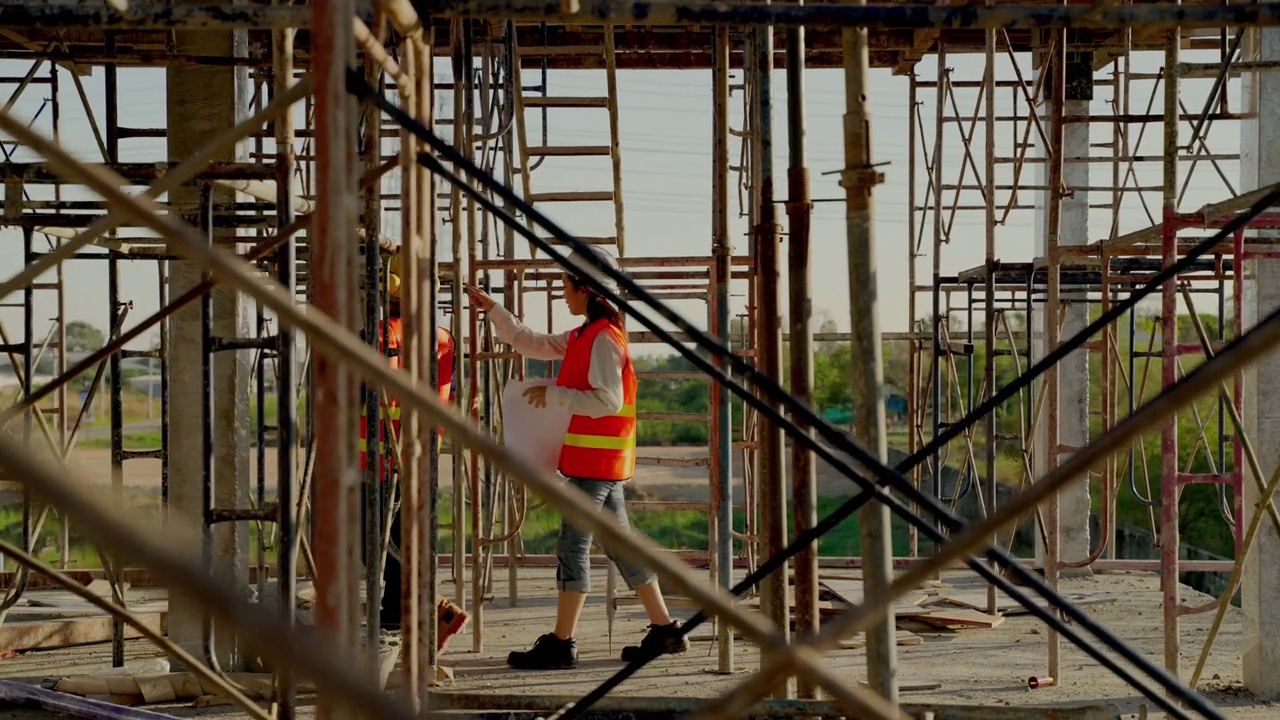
x,y
396,269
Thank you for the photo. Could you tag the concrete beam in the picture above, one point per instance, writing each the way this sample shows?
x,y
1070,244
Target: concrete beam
x,y
1073,371
1259,166
202,102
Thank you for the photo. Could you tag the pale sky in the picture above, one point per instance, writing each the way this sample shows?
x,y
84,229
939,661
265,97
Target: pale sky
x,y
666,159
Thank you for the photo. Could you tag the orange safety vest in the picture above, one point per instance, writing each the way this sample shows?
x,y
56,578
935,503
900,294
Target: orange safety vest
x,y
444,385
598,448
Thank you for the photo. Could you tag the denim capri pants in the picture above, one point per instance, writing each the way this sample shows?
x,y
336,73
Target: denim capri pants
x,y
573,549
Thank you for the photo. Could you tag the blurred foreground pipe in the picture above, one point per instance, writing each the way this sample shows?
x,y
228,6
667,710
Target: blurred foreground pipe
x,y
16,695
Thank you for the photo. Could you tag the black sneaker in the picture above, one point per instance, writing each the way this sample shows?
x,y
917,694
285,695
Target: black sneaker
x,y
548,653
660,640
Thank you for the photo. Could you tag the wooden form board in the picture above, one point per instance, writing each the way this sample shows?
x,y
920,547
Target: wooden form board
x,y
901,637
958,618
47,634
850,592
977,600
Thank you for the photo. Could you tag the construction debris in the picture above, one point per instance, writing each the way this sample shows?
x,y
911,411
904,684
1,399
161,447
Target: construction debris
x,y
160,688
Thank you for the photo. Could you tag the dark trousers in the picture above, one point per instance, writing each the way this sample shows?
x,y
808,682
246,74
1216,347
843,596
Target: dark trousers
x,y
392,575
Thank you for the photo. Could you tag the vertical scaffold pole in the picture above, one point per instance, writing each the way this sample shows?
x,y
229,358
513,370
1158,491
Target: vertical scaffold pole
x,y
989,290
804,478
1169,488
859,179
286,394
722,249
773,503
333,260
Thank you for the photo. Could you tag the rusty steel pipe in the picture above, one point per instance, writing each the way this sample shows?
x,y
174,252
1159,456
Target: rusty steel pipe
x,y
804,476
1040,681
197,667
333,339
263,249
859,179
880,15
154,16
333,261
1207,377
170,180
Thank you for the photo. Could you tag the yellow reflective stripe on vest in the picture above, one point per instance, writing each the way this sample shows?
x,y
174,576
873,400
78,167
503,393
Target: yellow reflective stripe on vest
x,y
393,412
626,411
364,446
600,442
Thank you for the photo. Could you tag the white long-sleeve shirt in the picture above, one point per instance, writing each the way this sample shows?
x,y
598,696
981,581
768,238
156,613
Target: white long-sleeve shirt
x,y
605,373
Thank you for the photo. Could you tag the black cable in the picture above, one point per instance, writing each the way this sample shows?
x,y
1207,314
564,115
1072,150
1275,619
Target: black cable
x,y
841,440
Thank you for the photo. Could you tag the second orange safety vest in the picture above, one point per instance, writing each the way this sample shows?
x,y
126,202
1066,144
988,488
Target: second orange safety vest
x,y
444,377
598,448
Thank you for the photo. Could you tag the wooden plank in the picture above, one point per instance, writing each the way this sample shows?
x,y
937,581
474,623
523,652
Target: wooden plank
x,y
977,600
911,685
44,635
136,577
83,608
850,592
901,637
949,618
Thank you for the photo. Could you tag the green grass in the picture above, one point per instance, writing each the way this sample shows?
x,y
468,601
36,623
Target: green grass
x,y
674,530
687,529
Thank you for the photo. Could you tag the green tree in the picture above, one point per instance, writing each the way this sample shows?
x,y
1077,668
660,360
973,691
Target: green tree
x,y
83,337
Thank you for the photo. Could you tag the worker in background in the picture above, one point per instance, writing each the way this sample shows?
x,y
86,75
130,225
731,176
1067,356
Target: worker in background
x,y
597,384
449,617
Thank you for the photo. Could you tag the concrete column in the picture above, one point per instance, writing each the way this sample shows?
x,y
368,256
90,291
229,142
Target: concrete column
x,y
1073,373
1260,166
203,100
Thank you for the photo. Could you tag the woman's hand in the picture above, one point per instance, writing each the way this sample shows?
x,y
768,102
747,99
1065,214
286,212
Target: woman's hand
x,y
537,396
480,298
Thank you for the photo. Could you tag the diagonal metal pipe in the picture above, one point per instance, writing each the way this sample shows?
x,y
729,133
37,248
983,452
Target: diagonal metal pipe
x,y
1001,557
332,339
171,180
34,564
260,251
830,433
836,437
1206,378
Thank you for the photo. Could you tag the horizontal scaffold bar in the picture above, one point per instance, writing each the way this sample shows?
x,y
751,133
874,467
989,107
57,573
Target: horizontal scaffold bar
x,y
153,15
906,16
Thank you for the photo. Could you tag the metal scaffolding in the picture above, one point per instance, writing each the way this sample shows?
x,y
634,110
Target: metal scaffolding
x,y
344,105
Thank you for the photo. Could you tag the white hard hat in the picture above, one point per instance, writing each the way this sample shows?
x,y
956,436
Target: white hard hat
x,y
581,266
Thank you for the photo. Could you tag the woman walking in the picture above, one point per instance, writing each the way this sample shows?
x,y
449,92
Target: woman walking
x,y
597,384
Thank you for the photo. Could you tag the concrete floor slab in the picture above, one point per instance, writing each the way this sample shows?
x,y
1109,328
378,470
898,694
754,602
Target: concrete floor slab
x,y
975,666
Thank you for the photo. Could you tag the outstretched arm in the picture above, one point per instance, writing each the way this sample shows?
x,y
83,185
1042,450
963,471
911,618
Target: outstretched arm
x,y
527,342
